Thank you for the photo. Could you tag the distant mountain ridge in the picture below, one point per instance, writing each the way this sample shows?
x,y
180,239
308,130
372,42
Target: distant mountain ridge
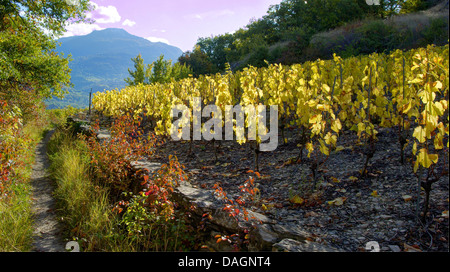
x,y
101,60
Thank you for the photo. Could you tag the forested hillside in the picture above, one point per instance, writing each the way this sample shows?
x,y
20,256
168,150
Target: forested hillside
x,y
296,31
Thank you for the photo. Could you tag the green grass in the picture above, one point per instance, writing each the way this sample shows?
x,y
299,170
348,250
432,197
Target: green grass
x,y
16,222
16,218
84,207
16,215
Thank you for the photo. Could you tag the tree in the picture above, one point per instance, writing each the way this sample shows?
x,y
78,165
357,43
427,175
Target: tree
x,y
319,15
259,57
159,71
51,15
138,76
394,7
292,21
162,71
217,48
415,5
29,65
246,43
198,61
180,71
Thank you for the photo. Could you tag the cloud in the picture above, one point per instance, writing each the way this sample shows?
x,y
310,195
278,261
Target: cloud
x,y
156,39
194,16
81,29
225,12
99,14
210,14
128,23
110,13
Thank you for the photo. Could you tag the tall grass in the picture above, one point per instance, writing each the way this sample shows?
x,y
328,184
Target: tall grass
x,y
83,206
16,217
16,222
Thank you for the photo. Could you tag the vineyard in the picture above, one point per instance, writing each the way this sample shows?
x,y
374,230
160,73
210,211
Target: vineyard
x,y
318,100
391,110
320,126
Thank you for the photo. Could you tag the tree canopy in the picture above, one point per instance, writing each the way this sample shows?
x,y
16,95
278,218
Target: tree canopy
x,y
294,21
28,32
159,71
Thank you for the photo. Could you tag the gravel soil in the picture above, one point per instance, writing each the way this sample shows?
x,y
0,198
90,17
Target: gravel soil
x,y
343,208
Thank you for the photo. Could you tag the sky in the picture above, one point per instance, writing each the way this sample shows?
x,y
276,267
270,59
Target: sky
x,y
176,22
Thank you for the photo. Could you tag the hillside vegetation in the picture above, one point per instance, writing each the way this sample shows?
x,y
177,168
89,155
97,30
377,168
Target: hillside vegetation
x,y
295,31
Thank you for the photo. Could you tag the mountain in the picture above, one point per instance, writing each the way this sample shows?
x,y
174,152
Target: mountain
x,y
101,60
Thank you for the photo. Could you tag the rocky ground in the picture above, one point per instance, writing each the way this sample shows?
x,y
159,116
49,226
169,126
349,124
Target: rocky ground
x,y
344,210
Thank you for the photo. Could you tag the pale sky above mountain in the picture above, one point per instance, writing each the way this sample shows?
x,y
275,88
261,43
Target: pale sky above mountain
x,y
176,22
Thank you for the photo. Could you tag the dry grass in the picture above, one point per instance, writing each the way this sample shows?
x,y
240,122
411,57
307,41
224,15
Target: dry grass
x,y
410,25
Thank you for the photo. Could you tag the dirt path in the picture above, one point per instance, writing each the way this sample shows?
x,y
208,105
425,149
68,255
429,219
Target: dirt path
x,y
46,236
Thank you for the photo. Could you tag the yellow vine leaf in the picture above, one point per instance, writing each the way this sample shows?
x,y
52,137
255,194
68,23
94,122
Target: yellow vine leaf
x,y
438,84
352,178
336,126
335,180
324,149
416,80
406,108
330,139
297,200
420,134
425,159
338,201
407,198
310,147
439,141
315,118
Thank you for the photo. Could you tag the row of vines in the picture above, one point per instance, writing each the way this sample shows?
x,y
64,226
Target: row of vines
x,y
407,91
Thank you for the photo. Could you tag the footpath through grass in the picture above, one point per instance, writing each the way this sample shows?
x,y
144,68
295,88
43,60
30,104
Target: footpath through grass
x,y
16,215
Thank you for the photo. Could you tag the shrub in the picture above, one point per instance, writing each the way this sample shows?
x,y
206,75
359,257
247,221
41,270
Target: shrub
x,y
376,36
149,216
146,217
437,32
111,160
259,57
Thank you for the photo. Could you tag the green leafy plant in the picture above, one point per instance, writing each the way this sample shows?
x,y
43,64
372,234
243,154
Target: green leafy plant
x,y
149,217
